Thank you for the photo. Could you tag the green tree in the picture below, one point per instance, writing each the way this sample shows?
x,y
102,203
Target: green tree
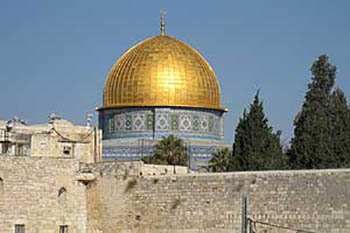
x,y
339,123
169,151
311,144
220,161
256,146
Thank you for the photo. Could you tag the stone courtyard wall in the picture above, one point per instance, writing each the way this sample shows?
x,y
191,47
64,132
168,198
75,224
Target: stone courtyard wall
x,y
29,195
121,197
315,201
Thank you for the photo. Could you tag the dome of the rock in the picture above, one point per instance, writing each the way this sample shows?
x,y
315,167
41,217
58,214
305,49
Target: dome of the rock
x,y
161,87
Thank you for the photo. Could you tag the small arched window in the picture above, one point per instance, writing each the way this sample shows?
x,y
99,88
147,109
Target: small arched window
x,y
62,194
1,185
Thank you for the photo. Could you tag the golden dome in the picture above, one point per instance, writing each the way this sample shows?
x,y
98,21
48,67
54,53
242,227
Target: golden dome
x,y
162,71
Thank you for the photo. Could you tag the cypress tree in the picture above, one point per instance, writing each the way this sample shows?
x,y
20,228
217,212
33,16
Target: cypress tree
x,y
339,124
256,146
310,147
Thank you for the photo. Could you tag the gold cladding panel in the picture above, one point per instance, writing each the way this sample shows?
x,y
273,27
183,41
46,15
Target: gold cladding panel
x,y
162,71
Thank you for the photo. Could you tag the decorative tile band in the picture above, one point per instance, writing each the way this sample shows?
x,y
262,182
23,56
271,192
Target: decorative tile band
x,y
155,121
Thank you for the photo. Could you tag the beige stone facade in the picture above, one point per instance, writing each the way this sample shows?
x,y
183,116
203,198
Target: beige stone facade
x,y
57,138
44,193
32,194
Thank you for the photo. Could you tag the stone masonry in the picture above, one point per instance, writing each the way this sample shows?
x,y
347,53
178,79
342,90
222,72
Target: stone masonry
x,y
315,201
30,195
129,197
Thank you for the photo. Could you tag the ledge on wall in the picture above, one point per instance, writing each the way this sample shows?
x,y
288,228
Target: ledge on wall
x,y
153,169
85,178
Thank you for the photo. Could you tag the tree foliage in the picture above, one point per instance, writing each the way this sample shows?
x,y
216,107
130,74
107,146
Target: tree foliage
x,y
256,146
339,124
220,161
321,133
169,151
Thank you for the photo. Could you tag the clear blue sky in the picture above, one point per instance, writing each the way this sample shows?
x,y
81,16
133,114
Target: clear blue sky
x,y
55,55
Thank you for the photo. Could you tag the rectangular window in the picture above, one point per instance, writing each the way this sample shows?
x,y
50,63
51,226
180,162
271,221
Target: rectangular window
x,y
19,228
64,229
5,147
19,149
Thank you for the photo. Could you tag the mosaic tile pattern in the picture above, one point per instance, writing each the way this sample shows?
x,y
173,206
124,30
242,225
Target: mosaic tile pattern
x,y
185,122
128,122
150,123
139,122
162,123
119,122
174,121
182,122
195,123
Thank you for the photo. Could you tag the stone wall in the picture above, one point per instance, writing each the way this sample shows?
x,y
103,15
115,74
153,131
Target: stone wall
x,y
151,170
127,197
316,201
41,193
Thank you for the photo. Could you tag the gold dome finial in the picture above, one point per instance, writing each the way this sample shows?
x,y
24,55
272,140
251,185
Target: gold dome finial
x,y
162,23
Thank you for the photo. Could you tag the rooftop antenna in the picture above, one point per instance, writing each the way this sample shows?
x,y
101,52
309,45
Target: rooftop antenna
x,y
162,22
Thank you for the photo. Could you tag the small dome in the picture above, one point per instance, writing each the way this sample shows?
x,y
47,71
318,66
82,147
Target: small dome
x,y
162,71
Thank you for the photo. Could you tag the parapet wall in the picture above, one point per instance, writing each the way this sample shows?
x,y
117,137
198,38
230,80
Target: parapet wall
x,y
315,201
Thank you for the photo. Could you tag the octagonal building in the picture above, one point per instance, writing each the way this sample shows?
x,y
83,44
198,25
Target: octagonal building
x,y
160,87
